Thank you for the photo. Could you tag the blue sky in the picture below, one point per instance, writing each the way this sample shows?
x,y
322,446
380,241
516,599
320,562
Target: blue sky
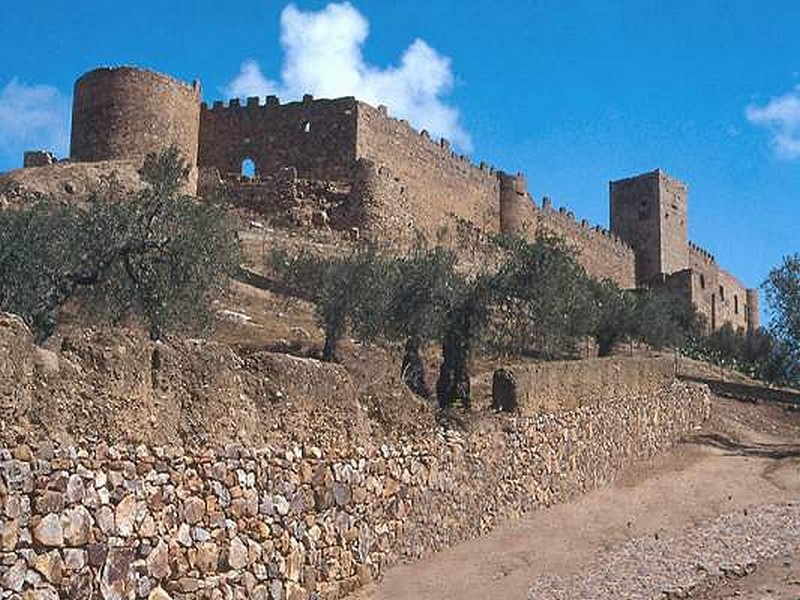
x,y
572,93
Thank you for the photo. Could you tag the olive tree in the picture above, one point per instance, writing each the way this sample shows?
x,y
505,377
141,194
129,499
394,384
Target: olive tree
x,y
782,289
158,255
347,289
543,296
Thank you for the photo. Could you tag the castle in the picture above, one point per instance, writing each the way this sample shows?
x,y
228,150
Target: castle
x,y
392,179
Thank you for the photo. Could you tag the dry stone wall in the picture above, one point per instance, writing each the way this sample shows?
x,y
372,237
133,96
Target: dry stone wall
x,y
298,522
565,385
313,518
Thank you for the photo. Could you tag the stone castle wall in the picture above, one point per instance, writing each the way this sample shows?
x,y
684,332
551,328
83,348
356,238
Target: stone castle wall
x,y
316,137
718,294
634,217
125,113
386,207
438,182
600,252
411,182
673,209
116,521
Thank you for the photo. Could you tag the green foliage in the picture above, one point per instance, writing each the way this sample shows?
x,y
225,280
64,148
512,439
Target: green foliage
x,y
37,256
544,297
782,289
419,289
156,255
347,290
533,297
757,355
615,315
664,319
468,306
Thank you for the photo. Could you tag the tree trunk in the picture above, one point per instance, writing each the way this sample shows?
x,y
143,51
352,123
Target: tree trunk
x,y
329,350
413,369
453,385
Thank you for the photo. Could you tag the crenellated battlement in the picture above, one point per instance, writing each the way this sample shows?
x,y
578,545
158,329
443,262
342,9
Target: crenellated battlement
x,y
701,253
381,119
566,219
256,102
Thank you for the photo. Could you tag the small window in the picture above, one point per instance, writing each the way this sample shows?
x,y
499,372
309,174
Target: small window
x,y
702,281
306,126
248,168
736,305
722,293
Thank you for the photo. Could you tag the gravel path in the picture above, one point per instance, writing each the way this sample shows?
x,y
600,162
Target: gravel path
x,y
672,565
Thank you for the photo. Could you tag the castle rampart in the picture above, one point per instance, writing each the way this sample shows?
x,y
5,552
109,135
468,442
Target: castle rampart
x,y
354,165
124,113
517,211
317,137
603,254
446,183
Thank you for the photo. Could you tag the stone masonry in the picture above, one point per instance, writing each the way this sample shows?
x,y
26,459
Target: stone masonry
x,y
99,519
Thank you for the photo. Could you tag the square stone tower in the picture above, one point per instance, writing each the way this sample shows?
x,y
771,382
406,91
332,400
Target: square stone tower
x,y
650,212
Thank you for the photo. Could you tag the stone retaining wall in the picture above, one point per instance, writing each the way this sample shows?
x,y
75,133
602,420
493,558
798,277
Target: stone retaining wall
x,y
564,385
99,521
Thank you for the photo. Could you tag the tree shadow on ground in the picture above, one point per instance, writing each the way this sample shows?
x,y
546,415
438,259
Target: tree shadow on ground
x,y
747,392
775,451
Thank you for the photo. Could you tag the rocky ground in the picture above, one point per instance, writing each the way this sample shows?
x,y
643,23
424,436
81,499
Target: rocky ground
x,y
776,579
678,564
717,518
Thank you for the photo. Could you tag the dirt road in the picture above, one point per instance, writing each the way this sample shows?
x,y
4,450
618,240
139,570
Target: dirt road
x,y
747,456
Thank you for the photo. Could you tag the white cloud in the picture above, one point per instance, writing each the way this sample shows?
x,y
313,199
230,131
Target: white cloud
x,y
250,82
781,115
33,117
323,56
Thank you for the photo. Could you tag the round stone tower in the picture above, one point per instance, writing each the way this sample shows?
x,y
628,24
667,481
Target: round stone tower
x,y
517,215
753,314
124,113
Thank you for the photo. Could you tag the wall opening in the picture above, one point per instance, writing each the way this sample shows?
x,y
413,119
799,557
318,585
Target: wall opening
x,y
248,168
736,305
306,126
702,281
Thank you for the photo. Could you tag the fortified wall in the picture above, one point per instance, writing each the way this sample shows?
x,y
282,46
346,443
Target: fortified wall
x,y
316,137
438,181
364,170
